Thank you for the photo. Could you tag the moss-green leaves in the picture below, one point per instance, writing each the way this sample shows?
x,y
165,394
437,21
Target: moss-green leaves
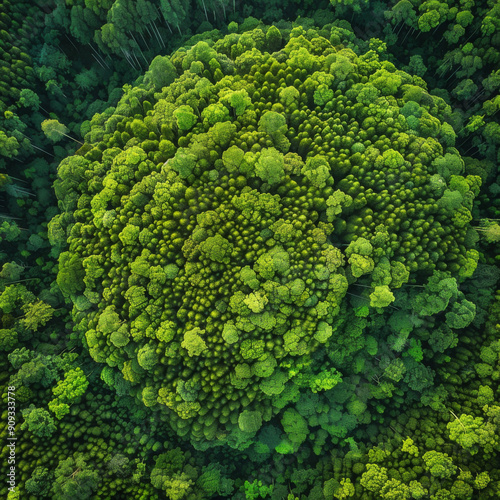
x,y
217,248
193,342
185,117
381,296
250,421
359,253
270,166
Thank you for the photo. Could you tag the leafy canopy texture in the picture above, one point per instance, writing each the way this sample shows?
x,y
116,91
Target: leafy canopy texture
x,y
215,226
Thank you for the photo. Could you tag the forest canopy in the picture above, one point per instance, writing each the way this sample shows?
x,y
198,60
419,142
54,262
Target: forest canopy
x,y
216,230
250,250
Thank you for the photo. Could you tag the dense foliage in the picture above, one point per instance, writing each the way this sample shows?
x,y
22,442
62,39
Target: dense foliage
x,y
263,266
205,234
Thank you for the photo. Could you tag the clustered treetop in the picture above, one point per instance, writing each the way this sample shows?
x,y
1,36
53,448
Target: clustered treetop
x,y
223,208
